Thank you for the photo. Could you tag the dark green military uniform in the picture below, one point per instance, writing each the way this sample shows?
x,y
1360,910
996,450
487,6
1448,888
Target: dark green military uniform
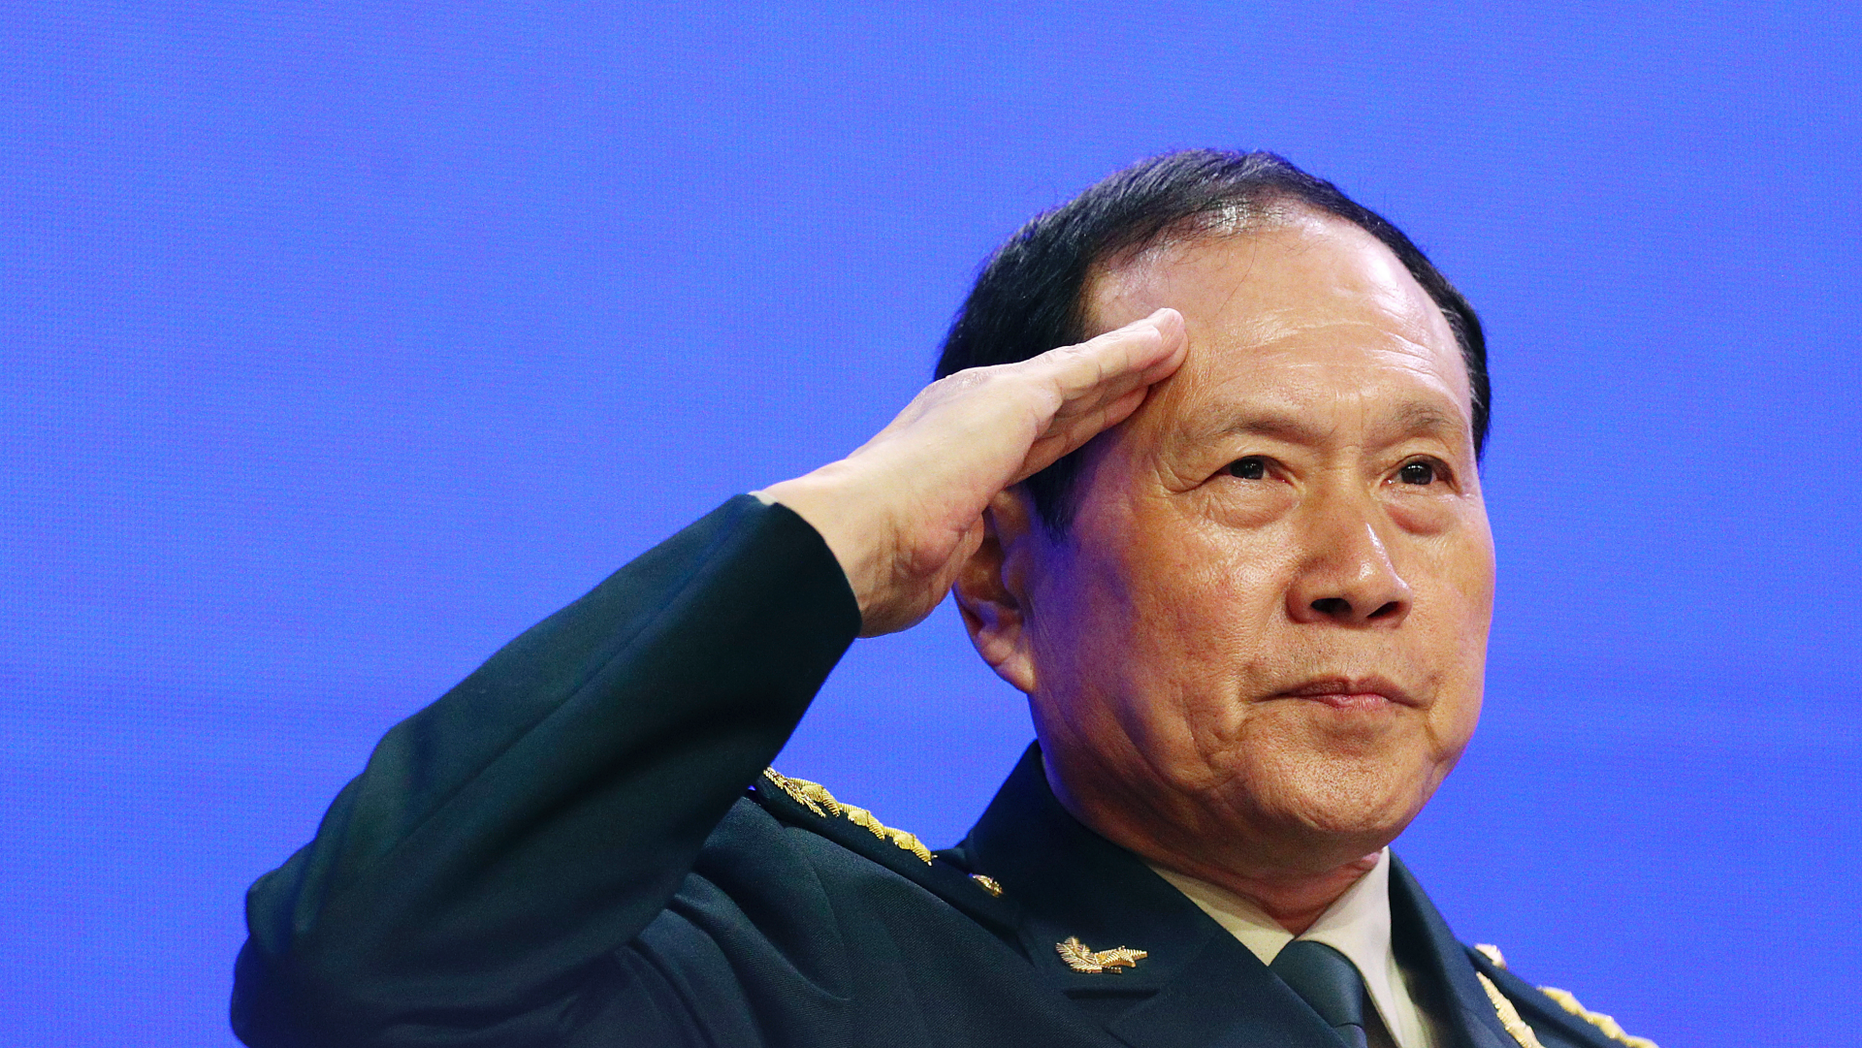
x,y
562,851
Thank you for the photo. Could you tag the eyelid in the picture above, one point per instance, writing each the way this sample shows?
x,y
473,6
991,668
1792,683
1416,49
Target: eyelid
x,y
1443,471
1268,465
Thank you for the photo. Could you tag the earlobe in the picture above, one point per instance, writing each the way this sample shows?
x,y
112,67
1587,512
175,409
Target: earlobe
x,y
991,595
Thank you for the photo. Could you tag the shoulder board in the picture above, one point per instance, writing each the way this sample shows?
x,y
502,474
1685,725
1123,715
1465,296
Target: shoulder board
x,y
808,805
1534,1000
817,800
1601,1021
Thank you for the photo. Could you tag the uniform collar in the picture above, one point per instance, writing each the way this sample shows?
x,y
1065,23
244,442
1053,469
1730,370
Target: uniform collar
x,y
1357,924
1440,969
1198,986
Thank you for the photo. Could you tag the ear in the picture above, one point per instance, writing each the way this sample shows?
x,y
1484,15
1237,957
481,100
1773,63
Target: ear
x,y
992,591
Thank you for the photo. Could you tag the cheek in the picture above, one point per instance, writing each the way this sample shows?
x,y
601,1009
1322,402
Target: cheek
x,y
1200,633
1454,573
1456,634
1204,593
1451,723
1150,639
1473,564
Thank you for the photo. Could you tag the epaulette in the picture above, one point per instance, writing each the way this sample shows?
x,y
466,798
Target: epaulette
x,y
1601,1021
1515,1025
809,806
816,798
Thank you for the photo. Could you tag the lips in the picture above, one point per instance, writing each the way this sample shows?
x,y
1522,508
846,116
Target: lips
x,y
1351,693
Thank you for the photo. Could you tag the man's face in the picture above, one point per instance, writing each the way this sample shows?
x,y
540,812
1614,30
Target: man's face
x,y
1268,619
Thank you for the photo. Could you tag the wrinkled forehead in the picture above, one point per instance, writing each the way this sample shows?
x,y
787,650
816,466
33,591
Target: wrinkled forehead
x,y
1291,282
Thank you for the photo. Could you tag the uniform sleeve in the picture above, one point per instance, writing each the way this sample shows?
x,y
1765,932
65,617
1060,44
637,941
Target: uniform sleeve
x,y
506,839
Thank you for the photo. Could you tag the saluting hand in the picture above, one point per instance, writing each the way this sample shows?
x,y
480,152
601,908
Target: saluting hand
x,y
904,511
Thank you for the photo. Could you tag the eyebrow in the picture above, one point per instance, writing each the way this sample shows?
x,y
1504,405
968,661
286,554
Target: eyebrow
x,y
1412,418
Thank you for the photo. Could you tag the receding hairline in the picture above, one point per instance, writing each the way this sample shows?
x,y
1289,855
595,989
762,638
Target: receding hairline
x,y
1234,219
1409,418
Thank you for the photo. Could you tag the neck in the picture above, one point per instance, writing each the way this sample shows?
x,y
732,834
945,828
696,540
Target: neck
x,y
1293,902
1290,877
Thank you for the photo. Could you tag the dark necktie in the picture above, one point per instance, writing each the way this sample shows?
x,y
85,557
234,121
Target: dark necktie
x,y
1331,984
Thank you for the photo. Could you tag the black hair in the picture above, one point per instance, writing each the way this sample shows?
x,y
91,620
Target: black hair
x,y
1030,297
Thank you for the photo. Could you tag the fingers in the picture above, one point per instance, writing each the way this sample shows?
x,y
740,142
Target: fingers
x,y
902,513
1100,382
1066,434
1140,353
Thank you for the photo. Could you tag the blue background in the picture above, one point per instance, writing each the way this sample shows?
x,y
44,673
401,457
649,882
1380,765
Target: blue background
x,y
342,341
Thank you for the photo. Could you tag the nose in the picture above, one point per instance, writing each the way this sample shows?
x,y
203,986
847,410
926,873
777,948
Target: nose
x,y
1347,576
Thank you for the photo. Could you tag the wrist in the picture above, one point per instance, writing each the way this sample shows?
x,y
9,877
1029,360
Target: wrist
x,y
845,519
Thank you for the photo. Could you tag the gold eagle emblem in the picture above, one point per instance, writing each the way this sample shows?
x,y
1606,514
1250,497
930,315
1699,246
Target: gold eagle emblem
x,y
1081,958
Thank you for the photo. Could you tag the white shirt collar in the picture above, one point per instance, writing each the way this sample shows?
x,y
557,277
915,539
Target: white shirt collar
x,y
1357,924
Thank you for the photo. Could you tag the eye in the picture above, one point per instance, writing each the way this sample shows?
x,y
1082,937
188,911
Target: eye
x,y
1422,472
1253,467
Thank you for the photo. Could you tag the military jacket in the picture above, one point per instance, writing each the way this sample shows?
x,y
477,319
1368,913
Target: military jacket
x,y
579,845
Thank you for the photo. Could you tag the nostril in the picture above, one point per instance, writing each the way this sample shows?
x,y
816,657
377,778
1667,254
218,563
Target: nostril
x,y
1333,607
1386,611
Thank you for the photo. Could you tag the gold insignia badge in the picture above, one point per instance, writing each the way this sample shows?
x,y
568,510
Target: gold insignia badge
x,y
1082,959
987,883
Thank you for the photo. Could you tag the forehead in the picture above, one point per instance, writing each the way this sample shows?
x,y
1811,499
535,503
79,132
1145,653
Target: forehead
x,y
1302,310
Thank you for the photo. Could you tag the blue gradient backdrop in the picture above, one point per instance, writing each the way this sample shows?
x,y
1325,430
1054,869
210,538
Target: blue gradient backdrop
x,y
342,341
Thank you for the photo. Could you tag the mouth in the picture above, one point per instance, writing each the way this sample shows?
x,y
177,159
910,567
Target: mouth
x,y
1351,693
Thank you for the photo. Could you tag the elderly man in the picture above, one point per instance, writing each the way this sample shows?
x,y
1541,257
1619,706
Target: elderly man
x,y
1229,540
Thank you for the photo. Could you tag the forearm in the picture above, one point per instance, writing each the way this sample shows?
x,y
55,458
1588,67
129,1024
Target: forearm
x,y
542,812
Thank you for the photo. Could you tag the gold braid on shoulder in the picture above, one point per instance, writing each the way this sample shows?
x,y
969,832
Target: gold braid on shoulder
x,y
1601,1021
816,798
1509,1016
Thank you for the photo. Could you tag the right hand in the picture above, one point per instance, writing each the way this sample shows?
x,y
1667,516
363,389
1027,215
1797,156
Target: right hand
x,y
904,511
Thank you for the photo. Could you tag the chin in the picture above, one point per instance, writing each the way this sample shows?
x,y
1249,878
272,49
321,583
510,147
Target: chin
x,y
1337,810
